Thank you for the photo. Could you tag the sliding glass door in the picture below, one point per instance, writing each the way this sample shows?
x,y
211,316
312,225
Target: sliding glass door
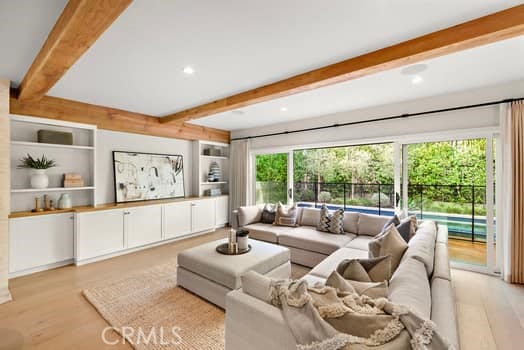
x,y
452,183
271,185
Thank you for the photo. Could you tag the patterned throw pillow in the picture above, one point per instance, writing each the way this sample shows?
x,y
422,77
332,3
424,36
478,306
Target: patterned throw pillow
x,y
286,216
331,222
268,214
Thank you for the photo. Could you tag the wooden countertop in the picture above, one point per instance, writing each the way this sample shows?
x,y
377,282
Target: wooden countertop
x,y
107,206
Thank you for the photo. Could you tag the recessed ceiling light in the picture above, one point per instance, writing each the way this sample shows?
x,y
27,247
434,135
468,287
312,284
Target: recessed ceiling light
x,y
414,69
417,79
283,109
189,70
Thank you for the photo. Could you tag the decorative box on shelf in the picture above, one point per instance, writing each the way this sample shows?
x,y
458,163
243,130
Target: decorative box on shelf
x,y
73,180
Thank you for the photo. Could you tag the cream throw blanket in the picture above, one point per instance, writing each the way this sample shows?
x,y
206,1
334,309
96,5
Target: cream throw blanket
x,y
332,317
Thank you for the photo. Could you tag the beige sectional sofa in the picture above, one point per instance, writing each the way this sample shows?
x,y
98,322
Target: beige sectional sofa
x,y
422,281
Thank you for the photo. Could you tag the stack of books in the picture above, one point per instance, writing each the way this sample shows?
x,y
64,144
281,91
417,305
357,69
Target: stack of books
x,y
73,180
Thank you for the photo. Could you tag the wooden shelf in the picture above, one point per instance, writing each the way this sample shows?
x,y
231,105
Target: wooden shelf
x,y
51,145
27,213
51,189
213,183
214,157
108,206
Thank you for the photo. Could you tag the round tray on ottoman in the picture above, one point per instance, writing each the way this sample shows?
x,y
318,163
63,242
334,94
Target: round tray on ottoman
x,y
224,249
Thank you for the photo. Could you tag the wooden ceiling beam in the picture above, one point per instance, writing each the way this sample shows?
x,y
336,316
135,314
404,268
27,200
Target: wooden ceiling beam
x,y
112,119
481,31
78,27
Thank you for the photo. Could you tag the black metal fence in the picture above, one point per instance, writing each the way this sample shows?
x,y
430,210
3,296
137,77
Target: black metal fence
x,y
461,207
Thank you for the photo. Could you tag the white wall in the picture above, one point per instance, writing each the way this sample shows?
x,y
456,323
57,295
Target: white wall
x,y
109,141
450,121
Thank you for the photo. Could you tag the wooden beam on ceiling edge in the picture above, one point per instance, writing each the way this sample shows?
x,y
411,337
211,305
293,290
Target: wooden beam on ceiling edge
x,y
481,31
112,119
77,28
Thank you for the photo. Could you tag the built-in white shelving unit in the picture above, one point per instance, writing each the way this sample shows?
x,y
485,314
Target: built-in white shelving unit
x,y
204,154
76,158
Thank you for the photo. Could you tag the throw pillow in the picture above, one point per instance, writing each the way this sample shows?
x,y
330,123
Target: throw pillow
x,y
394,220
373,290
268,214
338,282
286,216
407,227
389,242
331,222
366,270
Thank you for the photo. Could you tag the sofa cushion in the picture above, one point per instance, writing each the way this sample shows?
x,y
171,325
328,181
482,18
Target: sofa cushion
x,y
391,243
310,217
351,222
331,222
366,270
266,232
422,245
410,286
443,311
330,264
441,268
308,238
371,225
360,242
249,215
286,216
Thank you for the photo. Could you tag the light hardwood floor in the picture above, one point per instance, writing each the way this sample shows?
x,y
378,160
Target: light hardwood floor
x,y
49,311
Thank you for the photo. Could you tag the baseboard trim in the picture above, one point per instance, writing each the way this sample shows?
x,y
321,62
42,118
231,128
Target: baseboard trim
x,y
40,268
5,295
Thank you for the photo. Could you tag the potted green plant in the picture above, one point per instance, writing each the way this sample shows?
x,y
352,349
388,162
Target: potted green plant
x,y
39,178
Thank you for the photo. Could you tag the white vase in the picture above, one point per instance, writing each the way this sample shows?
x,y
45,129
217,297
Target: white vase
x,y
242,242
39,179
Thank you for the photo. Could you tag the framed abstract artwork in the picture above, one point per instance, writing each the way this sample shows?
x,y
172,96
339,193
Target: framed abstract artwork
x,y
147,176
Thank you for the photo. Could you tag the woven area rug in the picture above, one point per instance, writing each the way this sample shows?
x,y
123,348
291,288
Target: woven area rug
x,y
151,313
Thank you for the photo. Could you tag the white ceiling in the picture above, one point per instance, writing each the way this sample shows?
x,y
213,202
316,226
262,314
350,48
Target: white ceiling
x,y
488,65
236,45
24,26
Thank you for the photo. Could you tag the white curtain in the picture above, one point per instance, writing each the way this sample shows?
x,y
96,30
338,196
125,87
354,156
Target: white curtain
x,y
505,217
239,176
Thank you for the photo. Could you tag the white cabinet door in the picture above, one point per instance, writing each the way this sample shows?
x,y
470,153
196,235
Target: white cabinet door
x,y
203,215
143,225
177,219
99,233
40,240
222,210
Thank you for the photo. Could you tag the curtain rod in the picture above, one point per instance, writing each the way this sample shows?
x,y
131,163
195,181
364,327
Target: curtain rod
x,y
399,116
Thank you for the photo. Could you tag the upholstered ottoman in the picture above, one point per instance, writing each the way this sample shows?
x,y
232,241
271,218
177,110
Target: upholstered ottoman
x,y
211,275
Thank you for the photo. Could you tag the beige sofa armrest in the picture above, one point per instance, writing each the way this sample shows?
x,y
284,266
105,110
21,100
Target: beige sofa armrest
x,y
255,325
